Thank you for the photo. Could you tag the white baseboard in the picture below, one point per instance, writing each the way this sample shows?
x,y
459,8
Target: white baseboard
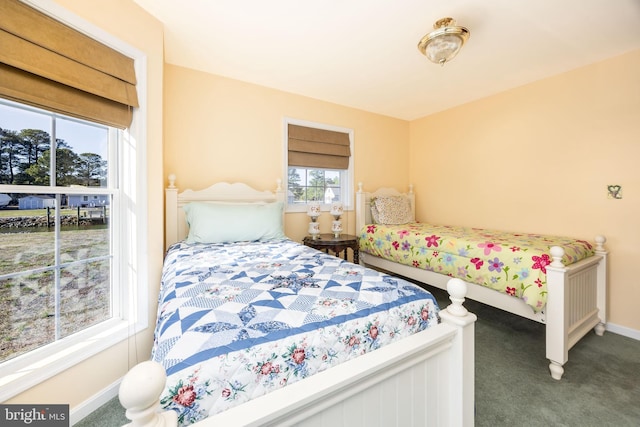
x,y
81,411
624,331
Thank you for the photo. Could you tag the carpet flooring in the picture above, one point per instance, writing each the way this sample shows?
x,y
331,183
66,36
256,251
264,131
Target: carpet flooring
x,y
600,386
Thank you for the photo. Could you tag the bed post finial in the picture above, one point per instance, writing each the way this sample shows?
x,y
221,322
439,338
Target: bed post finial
x,y
140,393
600,241
457,291
172,180
410,188
278,184
360,187
556,254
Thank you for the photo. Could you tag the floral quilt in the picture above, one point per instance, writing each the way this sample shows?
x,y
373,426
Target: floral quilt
x,y
513,263
238,321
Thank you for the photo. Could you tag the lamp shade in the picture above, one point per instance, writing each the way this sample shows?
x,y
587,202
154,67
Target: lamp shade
x,y
336,209
313,209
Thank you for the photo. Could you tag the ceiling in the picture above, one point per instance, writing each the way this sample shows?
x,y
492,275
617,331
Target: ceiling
x,y
363,54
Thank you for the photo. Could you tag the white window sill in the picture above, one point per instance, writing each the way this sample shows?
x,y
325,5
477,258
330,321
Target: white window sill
x,y
24,372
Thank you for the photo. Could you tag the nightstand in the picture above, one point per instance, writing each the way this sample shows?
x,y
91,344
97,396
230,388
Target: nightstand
x,y
326,242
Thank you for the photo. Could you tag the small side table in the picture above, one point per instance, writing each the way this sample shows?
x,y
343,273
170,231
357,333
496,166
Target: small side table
x,y
326,242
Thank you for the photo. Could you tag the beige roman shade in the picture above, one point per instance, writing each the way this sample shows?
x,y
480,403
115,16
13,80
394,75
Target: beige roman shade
x,y
318,148
49,65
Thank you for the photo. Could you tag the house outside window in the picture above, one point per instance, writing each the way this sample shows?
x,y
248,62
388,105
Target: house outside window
x,y
319,164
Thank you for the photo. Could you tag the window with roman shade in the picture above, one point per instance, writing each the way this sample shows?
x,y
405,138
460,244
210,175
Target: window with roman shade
x,y
318,148
72,137
49,65
318,165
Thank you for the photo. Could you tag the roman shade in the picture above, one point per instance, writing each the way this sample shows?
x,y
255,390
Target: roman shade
x,y
49,65
318,148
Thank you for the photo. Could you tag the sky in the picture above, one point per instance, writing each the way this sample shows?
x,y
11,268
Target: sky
x,y
83,138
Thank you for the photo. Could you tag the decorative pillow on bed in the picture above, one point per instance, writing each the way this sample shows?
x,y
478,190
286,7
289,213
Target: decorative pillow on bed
x,y
211,222
391,210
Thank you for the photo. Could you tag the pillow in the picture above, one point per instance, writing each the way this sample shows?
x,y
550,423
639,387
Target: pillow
x,y
391,210
211,222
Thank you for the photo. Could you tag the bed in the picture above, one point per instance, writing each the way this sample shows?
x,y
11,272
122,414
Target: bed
x,y
564,286
269,310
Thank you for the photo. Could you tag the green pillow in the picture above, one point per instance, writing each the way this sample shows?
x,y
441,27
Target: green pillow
x,y
211,222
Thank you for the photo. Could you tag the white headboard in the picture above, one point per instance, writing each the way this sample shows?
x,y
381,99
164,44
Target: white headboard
x,y
363,203
176,227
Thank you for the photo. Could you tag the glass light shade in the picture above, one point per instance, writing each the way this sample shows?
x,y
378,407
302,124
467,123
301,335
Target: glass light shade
x,y
444,48
444,43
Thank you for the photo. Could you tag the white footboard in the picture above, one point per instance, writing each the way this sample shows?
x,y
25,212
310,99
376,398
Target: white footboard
x,y
576,303
423,380
576,299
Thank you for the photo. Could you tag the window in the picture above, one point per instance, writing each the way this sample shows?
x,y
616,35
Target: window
x,y
321,185
57,258
319,164
72,205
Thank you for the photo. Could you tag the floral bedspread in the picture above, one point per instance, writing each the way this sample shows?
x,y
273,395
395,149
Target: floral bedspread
x,y
514,263
238,321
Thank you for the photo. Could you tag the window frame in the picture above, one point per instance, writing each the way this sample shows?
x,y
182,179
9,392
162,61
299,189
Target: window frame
x,y
346,185
130,281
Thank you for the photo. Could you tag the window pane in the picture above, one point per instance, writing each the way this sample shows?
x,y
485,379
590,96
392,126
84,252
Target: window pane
x,y
24,138
27,317
25,247
85,296
86,241
333,185
81,157
25,151
315,185
323,185
296,185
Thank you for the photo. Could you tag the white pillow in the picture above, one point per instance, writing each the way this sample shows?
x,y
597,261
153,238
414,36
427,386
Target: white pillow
x,y
391,210
211,222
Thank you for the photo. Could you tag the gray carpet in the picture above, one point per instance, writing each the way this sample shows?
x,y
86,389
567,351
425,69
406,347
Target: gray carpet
x,y
600,386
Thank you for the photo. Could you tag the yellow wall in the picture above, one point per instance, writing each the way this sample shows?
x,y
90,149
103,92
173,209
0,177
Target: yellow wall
x,y
125,20
567,137
219,129
215,129
538,158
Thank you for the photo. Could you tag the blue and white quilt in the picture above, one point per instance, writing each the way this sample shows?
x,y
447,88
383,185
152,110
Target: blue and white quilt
x,y
236,321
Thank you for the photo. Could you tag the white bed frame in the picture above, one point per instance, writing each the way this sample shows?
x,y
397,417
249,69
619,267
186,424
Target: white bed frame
x,y
423,380
576,299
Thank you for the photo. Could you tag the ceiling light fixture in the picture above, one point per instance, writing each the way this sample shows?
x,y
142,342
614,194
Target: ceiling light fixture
x,y
444,43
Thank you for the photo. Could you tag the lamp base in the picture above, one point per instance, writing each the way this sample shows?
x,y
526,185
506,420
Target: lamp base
x,y
314,230
336,228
